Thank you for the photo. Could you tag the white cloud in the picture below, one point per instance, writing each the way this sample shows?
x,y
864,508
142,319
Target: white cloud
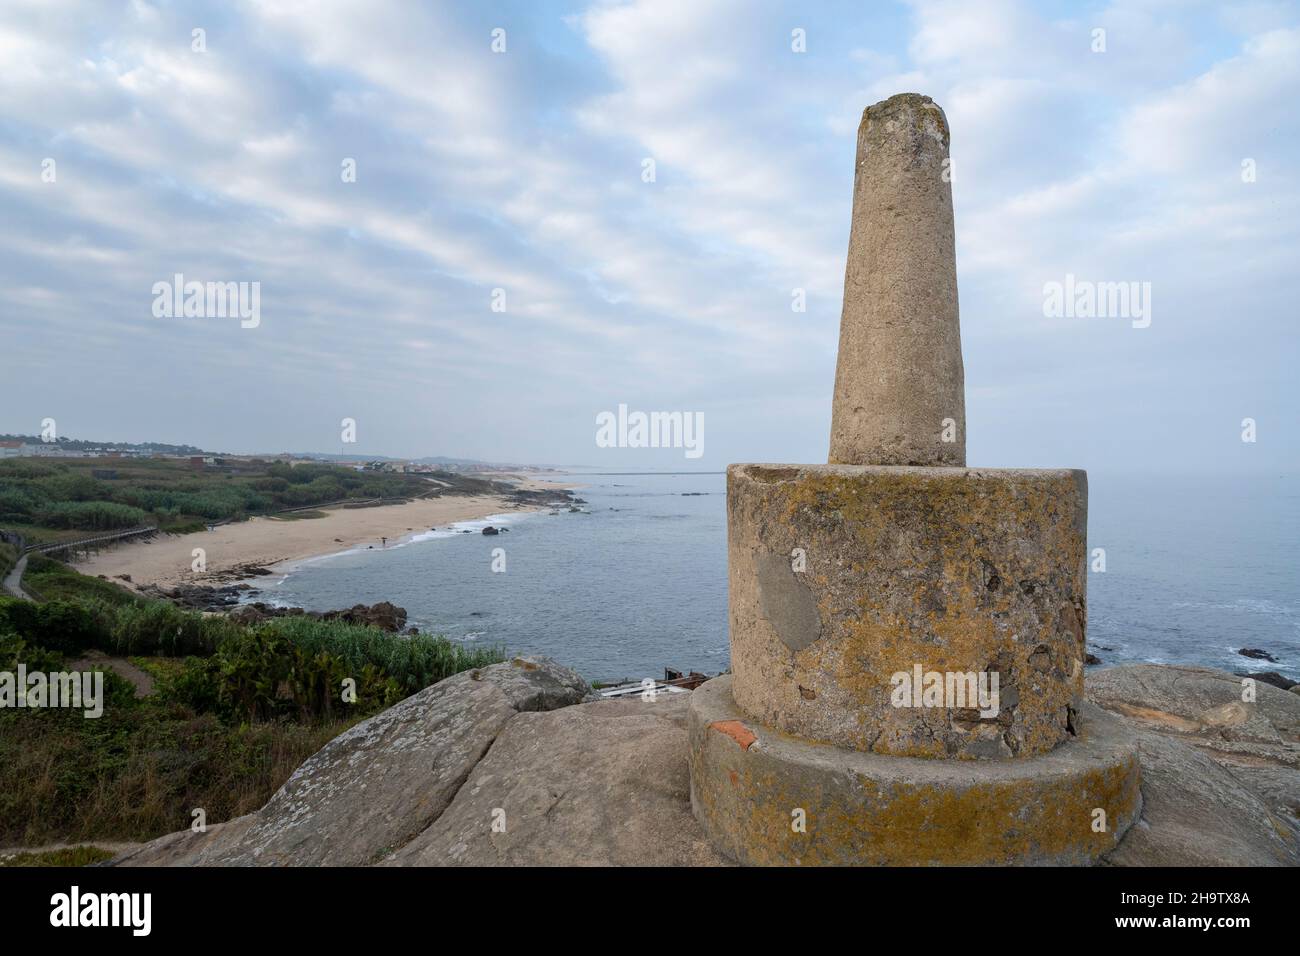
x,y
523,171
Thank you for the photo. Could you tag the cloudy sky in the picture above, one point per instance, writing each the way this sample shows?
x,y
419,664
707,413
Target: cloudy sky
x,y
1169,158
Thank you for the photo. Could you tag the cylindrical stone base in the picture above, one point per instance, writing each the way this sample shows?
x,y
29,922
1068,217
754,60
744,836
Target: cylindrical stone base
x,y
765,798
928,612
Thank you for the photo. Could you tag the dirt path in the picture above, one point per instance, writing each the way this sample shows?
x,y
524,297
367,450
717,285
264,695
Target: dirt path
x,y
142,681
112,846
13,580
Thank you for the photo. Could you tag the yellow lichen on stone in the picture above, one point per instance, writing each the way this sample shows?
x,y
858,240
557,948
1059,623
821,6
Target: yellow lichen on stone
x,y
785,801
954,570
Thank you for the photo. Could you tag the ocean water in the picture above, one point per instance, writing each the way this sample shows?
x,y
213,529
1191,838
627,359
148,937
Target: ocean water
x,y
1196,568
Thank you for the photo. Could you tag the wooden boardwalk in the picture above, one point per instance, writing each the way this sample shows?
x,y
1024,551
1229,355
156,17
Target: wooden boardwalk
x,y
54,546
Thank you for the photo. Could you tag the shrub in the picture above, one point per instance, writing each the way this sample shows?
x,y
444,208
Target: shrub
x,y
64,856
137,772
72,486
14,651
90,515
414,661
259,675
63,626
16,615
8,558
72,628
15,501
55,581
118,692
160,628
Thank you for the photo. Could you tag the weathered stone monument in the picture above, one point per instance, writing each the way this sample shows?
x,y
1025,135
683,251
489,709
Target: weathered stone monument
x,y
907,634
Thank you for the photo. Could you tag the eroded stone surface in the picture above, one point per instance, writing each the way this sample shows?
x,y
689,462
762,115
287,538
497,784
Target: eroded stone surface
x,y
1196,812
1220,776
187,847
618,769
383,781
787,602
599,784
1204,703
899,374
957,570
783,801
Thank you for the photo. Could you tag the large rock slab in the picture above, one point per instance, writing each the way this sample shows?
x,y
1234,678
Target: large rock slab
x,y
1198,813
600,784
1204,706
1220,776
383,781
606,782
187,847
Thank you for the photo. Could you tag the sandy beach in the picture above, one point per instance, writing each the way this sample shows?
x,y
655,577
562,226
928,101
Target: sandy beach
x,y
167,559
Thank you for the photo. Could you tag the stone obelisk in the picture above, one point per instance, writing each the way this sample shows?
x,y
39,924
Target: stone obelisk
x,y
899,382
907,634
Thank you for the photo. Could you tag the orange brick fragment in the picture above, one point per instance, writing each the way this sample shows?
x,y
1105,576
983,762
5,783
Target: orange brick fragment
x,y
736,731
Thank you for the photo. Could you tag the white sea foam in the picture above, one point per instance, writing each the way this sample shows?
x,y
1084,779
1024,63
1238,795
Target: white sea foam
x,y
284,570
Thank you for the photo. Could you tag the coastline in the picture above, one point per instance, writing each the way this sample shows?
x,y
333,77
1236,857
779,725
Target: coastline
x,y
263,542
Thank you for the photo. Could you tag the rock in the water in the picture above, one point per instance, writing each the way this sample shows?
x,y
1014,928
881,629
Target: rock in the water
x,y
257,612
195,597
1270,677
490,530
1220,776
384,615
377,785
1254,653
603,784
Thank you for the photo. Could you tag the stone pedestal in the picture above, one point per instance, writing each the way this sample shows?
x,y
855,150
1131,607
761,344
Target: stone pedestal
x,y
870,607
844,576
907,634
770,799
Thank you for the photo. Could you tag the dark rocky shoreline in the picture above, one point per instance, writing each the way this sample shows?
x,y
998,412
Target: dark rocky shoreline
x,y
230,591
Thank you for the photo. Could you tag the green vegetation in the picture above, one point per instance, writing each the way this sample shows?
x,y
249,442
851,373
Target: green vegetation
x,y
89,515
235,708
413,662
8,558
160,629
259,675
300,515
66,856
139,770
55,581
51,500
